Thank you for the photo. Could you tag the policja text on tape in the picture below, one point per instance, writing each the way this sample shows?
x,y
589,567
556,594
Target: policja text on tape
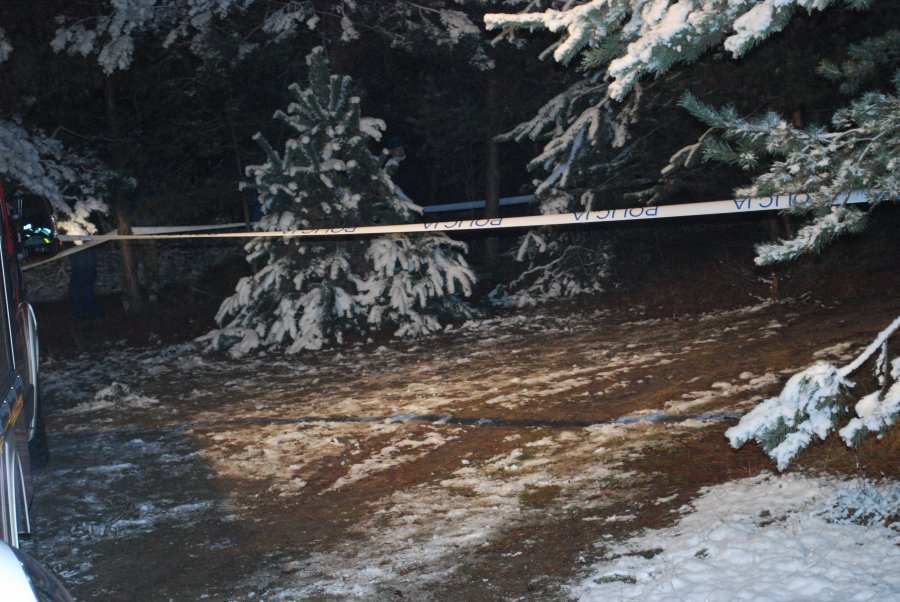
x,y
744,205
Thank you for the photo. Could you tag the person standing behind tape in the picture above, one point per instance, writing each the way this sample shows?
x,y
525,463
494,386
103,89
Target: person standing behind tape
x,y
378,211
396,148
142,213
82,282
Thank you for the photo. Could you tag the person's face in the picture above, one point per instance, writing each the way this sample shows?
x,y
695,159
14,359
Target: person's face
x,y
398,152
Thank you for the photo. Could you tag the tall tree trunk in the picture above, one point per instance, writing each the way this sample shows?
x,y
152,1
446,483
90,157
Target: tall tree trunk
x,y
133,302
245,202
492,173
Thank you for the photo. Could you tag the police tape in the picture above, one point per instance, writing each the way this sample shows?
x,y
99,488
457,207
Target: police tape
x,y
742,205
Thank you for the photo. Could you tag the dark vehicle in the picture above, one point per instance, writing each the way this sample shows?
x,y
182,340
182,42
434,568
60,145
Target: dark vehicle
x,y
27,231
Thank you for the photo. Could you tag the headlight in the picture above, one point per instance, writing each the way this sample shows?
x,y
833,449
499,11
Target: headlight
x,y
24,579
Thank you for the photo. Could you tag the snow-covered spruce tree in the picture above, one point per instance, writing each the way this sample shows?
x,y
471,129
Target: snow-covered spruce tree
x,y
621,41
634,38
575,125
311,293
638,37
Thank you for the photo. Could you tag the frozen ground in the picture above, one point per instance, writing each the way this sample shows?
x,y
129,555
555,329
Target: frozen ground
x,y
534,457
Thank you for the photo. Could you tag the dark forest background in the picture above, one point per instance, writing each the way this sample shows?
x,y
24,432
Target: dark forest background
x,y
179,128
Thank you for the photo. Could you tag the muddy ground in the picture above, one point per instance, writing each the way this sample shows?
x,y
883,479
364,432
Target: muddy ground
x,y
490,462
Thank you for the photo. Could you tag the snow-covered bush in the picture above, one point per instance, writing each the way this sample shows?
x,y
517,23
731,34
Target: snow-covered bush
x,y
311,293
814,402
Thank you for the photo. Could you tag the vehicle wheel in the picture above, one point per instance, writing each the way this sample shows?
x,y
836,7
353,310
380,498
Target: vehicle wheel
x,y
38,449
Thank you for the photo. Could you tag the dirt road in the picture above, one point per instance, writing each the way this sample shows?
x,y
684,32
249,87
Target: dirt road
x,y
491,462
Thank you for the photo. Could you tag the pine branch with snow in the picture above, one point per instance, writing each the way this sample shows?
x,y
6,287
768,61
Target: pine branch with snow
x,y
35,163
813,237
864,61
635,38
309,295
810,406
858,153
815,400
113,33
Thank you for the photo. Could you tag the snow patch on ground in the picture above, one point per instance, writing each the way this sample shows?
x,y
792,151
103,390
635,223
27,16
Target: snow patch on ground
x,y
789,537
397,453
838,353
697,399
115,396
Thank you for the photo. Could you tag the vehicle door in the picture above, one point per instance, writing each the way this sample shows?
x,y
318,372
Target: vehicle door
x,y
15,470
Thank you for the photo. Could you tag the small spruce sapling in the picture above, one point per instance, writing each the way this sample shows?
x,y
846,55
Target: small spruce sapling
x,y
311,293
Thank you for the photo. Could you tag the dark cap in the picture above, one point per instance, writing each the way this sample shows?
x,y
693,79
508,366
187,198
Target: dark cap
x,y
394,141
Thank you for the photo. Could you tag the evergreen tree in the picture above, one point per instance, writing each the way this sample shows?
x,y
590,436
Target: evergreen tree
x,y
858,155
579,126
588,137
308,295
639,37
112,31
633,38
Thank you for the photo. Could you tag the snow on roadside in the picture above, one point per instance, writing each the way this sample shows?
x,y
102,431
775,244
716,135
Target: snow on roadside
x,y
788,537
